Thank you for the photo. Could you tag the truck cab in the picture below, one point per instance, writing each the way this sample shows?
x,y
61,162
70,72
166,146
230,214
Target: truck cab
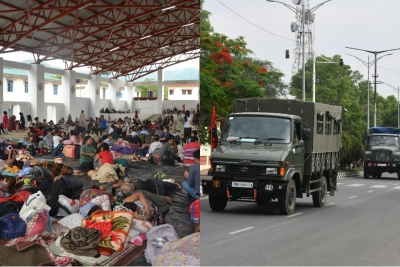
x,y
268,151
382,153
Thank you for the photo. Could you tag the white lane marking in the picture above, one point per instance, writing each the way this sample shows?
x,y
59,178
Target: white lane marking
x,y
395,184
397,187
329,204
355,185
204,197
372,191
378,186
340,183
353,197
294,214
238,231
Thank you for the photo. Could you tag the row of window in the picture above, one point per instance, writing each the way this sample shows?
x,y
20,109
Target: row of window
x,y
10,87
184,92
328,125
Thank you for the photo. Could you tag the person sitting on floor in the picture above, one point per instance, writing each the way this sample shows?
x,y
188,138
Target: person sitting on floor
x,y
104,155
87,154
192,185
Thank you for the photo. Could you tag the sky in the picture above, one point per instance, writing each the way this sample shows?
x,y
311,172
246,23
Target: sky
x,y
364,24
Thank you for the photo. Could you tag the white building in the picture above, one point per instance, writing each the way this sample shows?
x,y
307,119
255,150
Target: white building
x,y
35,90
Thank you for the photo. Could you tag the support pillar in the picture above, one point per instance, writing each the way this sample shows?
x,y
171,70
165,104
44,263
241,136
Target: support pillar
x,y
129,96
160,91
2,85
94,93
36,91
114,93
68,93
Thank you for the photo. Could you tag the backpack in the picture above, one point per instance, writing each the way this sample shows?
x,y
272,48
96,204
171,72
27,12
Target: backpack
x,y
156,238
156,156
10,207
31,149
168,158
12,226
57,152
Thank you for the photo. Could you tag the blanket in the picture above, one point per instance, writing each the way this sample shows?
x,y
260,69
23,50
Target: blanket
x,y
114,227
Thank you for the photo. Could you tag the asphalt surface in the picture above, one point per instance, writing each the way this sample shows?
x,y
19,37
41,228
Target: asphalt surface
x,y
358,226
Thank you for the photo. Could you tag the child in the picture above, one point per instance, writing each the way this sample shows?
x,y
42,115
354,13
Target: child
x,y
49,138
8,186
63,136
17,126
105,155
56,138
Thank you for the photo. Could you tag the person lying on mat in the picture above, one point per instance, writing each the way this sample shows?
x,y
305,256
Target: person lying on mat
x,y
8,186
144,208
154,186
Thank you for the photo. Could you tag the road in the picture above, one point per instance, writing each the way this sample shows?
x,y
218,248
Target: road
x,y
360,225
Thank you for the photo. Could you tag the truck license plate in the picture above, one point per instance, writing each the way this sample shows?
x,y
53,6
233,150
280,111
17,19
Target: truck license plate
x,y
269,187
381,165
242,184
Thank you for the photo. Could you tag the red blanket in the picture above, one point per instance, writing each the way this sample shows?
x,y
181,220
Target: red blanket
x,y
21,196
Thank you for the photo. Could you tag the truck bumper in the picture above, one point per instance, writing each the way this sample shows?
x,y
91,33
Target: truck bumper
x,y
382,167
253,190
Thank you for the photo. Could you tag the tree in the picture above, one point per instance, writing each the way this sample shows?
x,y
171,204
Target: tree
x,y
145,88
227,72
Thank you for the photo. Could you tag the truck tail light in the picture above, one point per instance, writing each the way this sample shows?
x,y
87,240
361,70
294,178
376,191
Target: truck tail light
x,y
216,184
388,165
281,171
374,164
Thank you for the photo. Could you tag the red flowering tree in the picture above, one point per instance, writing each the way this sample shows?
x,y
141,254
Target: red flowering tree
x,y
227,72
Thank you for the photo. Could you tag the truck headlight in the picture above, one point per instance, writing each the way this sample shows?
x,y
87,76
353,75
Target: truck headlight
x,y
271,171
367,158
396,159
220,168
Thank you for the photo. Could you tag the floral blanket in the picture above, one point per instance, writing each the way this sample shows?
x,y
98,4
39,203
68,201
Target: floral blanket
x,y
114,227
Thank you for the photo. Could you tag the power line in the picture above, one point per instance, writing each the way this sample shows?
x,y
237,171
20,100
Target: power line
x,y
254,23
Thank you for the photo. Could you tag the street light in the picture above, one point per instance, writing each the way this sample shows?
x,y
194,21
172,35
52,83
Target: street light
x,y
309,12
375,53
398,108
368,65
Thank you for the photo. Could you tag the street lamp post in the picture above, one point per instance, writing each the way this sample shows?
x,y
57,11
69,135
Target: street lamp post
x,y
375,53
368,65
398,103
310,11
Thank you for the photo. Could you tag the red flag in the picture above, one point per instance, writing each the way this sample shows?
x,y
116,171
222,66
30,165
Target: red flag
x,y
213,129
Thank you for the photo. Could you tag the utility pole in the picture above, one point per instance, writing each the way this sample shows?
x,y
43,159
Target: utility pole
x,y
375,53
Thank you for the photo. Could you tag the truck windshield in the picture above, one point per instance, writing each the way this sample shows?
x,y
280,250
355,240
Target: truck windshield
x,y
384,140
257,128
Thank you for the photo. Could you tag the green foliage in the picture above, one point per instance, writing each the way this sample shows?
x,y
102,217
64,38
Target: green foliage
x,y
228,72
145,88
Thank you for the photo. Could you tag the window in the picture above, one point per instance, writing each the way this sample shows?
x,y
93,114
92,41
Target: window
x,y
26,87
336,127
55,89
10,86
320,123
328,125
120,95
171,92
186,92
104,93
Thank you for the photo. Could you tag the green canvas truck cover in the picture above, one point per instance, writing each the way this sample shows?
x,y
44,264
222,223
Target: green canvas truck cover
x,y
324,121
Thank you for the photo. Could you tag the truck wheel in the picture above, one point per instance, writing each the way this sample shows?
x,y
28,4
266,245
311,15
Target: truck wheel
x,y
217,203
366,172
287,204
319,197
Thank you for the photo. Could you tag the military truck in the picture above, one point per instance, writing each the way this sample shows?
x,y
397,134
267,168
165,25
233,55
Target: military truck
x,y
276,149
382,152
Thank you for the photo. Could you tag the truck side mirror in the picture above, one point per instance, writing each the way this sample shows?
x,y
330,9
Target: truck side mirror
x,y
306,134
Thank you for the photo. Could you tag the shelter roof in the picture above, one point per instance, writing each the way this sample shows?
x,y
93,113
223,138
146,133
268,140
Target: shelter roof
x,y
130,38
